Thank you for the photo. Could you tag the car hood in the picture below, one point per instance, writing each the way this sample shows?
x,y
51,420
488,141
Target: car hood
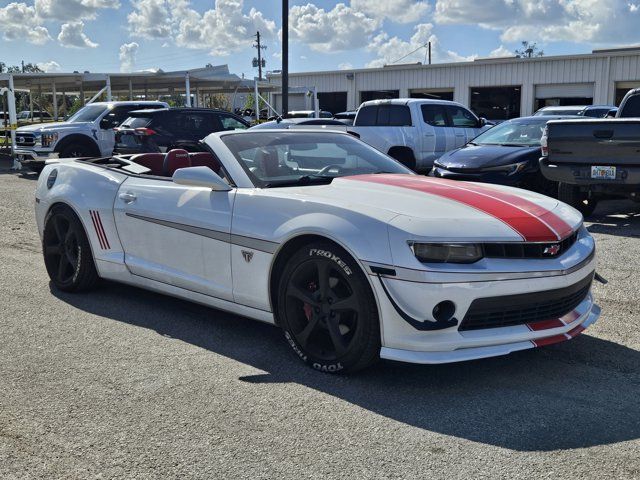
x,y
53,126
484,156
430,208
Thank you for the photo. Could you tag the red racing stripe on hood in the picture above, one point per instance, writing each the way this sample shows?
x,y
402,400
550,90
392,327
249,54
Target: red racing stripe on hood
x,y
531,221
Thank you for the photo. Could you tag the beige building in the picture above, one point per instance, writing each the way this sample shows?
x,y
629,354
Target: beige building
x,y
495,88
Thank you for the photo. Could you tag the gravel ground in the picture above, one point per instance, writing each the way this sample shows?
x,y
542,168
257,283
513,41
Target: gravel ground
x,y
123,383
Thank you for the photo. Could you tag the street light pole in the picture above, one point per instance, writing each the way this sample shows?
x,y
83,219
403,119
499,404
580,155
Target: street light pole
x,y
285,58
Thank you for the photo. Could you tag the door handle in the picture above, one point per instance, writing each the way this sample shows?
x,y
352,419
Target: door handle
x,y
127,197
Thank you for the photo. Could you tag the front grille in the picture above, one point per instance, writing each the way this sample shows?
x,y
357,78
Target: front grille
x,y
529,250
25,139
495,312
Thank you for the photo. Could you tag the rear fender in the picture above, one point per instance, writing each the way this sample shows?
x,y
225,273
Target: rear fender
x,y
90,191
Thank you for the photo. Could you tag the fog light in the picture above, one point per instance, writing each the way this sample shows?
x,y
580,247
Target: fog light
x,y
444,311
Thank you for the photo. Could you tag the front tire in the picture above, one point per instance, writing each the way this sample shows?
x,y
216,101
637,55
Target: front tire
x,y
581,201
327,310
76,150
67,253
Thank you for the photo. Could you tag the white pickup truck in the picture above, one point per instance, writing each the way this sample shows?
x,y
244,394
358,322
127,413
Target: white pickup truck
x,y
88,133
416,131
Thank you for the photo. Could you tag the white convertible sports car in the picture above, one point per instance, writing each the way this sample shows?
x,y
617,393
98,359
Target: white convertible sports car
x,y
351,254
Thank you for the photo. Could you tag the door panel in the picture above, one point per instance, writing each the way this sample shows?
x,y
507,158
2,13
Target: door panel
x,y
176,234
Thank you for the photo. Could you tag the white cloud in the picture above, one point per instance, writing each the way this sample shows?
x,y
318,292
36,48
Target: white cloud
x,y
345,66
72,35
128,54
501,51
393,49
72,10
581,21
341,28
49,67
149,19
400,11
223,30
18,21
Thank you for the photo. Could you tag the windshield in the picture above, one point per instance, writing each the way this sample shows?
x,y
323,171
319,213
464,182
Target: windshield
x,y
526,133
90,113
278,159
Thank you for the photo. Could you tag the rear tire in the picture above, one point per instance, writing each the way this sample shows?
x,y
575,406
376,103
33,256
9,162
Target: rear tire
x,y
67,253
581,201
327,310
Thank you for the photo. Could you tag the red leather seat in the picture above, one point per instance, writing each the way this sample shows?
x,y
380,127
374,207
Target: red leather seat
x,y
205,159
175,159
153,161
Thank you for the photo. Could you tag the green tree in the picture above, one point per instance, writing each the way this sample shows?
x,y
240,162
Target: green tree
x,y
528,50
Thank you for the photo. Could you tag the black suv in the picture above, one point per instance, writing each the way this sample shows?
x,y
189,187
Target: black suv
x,y
168,128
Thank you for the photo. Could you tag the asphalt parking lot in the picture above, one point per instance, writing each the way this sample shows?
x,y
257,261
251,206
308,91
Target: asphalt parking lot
x,y
124,383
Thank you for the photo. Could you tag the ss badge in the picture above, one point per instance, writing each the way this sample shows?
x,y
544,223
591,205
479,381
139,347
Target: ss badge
x,y
247,255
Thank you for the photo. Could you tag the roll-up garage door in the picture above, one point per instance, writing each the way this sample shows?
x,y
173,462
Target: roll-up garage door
x,y
297,101
565,90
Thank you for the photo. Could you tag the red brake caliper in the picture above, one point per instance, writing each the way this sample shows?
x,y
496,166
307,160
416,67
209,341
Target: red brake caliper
x,y
308,309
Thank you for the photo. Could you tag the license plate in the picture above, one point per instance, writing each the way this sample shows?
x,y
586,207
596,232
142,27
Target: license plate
x,y
603,173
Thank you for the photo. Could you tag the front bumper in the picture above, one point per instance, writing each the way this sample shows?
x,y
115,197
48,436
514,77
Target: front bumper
x,y
591,312
405,296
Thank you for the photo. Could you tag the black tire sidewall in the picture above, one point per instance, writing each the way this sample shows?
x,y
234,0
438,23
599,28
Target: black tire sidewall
x,y
67,151
85,275
365,347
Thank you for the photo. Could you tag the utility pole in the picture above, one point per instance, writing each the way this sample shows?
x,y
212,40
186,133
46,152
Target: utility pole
x,y
285,58
259,62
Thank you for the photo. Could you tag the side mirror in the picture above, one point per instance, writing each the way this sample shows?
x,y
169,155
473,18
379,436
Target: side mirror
x,y
482,122
200,177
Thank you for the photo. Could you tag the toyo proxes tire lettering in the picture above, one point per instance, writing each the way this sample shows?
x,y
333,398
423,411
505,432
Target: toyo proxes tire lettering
x,y
327,309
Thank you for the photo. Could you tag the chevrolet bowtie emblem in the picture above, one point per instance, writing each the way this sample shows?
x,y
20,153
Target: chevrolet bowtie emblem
x,y
552,250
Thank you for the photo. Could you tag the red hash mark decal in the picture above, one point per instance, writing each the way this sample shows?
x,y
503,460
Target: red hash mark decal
x,y
99,228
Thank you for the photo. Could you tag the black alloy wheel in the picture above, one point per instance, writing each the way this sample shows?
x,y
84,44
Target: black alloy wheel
x,y
327,310
67,254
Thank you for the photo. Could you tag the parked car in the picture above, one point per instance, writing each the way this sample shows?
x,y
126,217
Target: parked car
x,y
163,129
593,159
507,154
304,230
298,122
416,132
346,117
88,133
309,114
594,111
26,115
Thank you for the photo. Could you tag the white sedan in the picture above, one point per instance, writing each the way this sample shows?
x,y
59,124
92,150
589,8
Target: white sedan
x,y
350,253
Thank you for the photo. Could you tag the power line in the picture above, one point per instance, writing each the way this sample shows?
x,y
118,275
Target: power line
x,y
411,53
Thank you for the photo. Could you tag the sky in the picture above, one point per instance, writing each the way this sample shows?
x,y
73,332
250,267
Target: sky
x,y
133,35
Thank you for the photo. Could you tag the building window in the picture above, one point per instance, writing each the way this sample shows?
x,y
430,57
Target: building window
x,y
432,94
368,95
334,102
496,103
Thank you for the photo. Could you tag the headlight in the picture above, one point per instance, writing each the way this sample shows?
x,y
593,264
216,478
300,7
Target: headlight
x,y
510,169
446,252
49,139
37,139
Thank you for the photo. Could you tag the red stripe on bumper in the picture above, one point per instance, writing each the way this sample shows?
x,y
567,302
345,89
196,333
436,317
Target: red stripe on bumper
x,y
545,325
532,222
541,342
